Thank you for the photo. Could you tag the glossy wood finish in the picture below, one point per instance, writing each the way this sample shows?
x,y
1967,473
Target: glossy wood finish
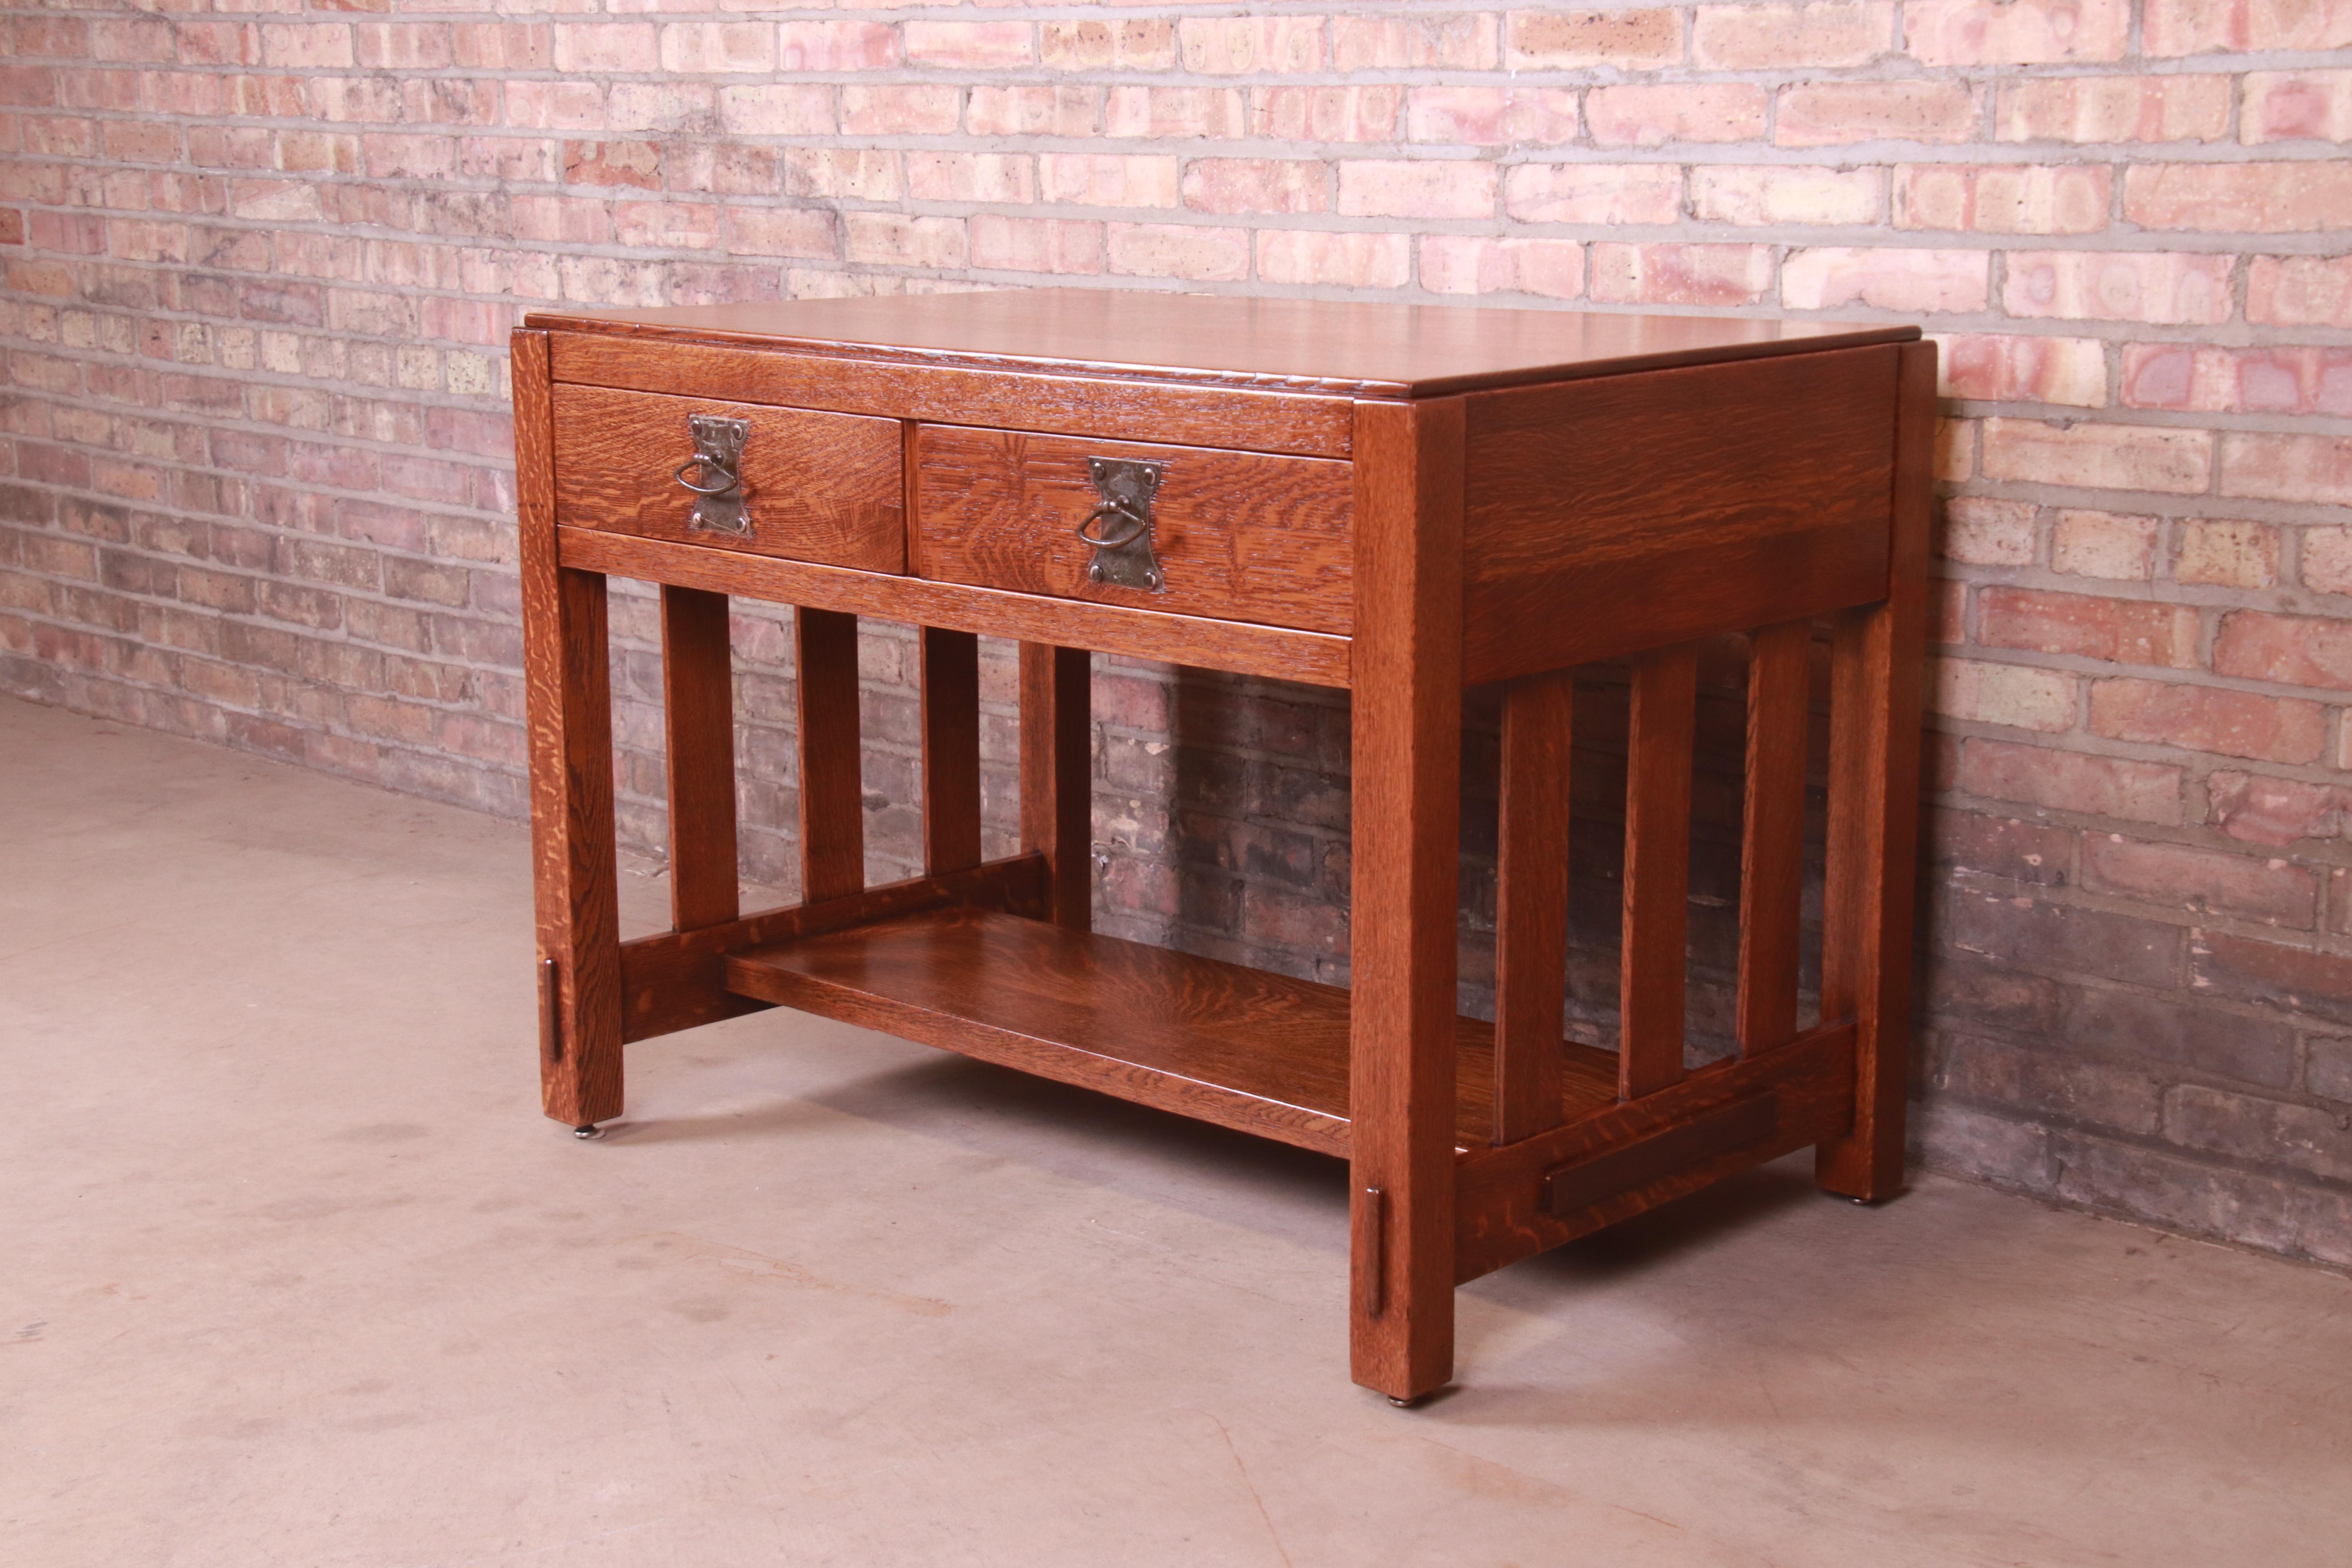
x,y
676,980
1242,1047
831,795
1874,708
1112,408
1407,770
1353,350
817,487
1610,516
567,691
1772,839
1315,659
1058,775
1651,981
1609,487
698,758
950,719
1531,905
1239,535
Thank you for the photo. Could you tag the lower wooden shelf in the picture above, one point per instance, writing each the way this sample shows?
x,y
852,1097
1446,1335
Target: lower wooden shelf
x,y
1242,1047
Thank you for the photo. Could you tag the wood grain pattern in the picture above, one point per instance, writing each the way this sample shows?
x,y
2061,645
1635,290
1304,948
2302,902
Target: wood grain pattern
x,y
1407,825
1057,774
1109,409
833,803
1531,905
1607,517
677,979
1651,984
568,697
1874,715
1315,659
1772,839
950,719
1504,1216
818,486
698,757
1356,349
1240,535
1242,1047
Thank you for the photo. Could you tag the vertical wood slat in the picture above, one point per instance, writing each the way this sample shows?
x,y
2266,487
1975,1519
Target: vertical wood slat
x,y
1531,905
1407,783
1056,776
1657,869
1876,675
567,687
1772,836
833,813
950,677
698,717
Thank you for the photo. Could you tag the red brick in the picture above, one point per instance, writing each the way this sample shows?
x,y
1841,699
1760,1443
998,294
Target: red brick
x,y
2003,367
2328,560
2005,198
2200,880
1771,193
2015,32
718,47
1826,114
2267,199
1322,113
969,45
1680,274
2092,109
1465,264
971,177
2228,381
2122,631
2017,696
2292,106
1595,193
1462,43
2312,468
2227,554
1979,532
1035,244
1034,110
1824,35
1573,40
1914,281
2120,547
2300,291
2256,809
1256,185
2072,781
2156,287
2268,974
778,109
1348,260
2098,457
1417,189
1245,46
1161,112
591,48
893,239
1641,115
2293,650
2209,719
1491,116
914,109
2174,27
1134,43
1106,180
1171,250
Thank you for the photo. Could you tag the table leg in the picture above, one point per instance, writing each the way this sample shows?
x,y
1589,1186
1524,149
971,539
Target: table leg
x,y
1058,775
1407,848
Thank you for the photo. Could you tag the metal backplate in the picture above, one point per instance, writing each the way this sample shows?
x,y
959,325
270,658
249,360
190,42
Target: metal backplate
x,y
1120,528
718,486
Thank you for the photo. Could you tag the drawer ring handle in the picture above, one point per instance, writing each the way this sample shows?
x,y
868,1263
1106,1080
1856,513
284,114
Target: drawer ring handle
x,y
727,481
1137,527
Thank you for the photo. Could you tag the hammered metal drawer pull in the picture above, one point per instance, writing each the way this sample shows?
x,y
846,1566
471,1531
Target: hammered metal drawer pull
x,y
1122,544
718,505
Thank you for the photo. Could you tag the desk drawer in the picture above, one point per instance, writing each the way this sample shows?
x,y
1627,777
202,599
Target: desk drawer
x,y
815,487
1240,536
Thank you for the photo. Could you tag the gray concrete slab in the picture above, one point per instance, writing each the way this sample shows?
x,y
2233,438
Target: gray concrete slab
x,y
291,1271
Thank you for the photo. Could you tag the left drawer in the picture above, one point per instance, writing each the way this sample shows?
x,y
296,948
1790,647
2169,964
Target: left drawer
x,y
809,486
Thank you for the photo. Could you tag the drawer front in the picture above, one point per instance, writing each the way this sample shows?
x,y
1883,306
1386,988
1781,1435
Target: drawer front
x,y
1240,536
815,487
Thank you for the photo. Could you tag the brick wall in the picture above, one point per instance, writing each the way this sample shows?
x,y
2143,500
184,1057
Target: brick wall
x,y
260,261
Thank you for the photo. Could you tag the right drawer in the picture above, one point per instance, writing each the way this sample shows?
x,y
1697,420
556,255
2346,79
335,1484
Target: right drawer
x,y
1239,536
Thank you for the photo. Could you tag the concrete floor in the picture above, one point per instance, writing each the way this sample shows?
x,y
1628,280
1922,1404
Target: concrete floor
x,y
291,1271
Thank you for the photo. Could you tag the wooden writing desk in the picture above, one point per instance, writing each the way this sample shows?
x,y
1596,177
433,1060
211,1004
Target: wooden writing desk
x,y
1398,500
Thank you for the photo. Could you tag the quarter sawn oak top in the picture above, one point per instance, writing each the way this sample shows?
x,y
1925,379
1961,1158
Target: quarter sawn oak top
x,y
1374,349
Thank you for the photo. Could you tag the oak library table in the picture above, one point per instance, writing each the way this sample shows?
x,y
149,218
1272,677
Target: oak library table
x,y
1398,500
